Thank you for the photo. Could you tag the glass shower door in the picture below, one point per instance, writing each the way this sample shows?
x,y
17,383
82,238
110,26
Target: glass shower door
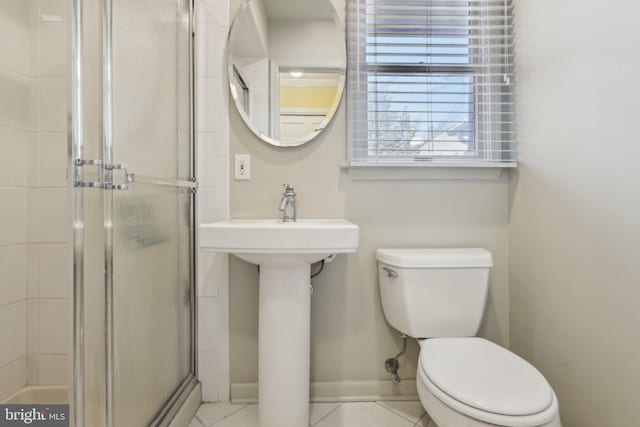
x,y
133,207
150,277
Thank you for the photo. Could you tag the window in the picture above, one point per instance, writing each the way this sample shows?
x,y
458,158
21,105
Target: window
x,y
431,81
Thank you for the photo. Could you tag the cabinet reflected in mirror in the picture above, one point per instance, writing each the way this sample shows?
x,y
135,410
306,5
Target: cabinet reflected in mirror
x,y
287,66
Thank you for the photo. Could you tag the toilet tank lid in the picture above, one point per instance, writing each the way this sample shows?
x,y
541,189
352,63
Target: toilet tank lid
x,y
436,258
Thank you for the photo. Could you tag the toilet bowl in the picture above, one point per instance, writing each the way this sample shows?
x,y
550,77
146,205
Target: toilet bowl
x,y
473,382
438,296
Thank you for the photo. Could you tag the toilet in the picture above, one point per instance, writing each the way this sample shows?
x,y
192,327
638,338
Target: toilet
x,y
438,296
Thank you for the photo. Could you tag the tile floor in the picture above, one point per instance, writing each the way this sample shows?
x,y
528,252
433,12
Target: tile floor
x,y
352,414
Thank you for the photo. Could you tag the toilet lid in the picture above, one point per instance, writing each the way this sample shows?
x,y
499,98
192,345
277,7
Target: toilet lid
x,y
485,376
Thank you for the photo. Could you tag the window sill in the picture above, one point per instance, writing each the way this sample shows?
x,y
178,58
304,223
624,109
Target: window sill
x,y
362,171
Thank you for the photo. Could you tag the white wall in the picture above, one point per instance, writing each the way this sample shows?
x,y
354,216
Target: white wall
x,y
574,230
350,337
213,196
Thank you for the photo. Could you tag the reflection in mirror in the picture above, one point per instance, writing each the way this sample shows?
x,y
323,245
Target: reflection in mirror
x,y
287,62
240,90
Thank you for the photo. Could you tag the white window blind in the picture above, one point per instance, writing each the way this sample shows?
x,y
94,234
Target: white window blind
x,y
431,81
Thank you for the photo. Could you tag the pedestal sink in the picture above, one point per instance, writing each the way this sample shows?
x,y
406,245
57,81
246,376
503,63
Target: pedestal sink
x,y
285,252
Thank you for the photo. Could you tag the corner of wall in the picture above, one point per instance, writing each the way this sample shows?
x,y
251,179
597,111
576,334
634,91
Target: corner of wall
x,y
212,135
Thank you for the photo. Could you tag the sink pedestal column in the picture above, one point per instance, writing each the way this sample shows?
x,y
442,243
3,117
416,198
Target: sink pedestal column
x,y
284,346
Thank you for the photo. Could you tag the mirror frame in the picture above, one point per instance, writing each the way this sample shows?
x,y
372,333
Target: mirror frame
x,y
330,66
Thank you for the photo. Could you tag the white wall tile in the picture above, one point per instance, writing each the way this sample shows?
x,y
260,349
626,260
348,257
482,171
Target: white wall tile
x,y
223,96
32,369
223,274
12,377
53,369
33,326
50,209
207,205
34,38
210,264
206,375
214,12
213,196
222,139
208,104
14,157
33,106
14,102
51,160
222,168
13,333
13,216
222,210
13,274
207,158
54,49
54,273
33,159
54,327
58,8
52,109
212,39
223,367
207,323
224,387
33,270
14,35
222,311
29,105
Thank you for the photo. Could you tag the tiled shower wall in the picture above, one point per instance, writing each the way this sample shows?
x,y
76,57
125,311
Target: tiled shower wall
x,y
15,126
48,278
33,61
213,196
33,218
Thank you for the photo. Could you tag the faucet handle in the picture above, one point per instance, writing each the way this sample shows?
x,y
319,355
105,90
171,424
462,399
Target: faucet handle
x,y
288,189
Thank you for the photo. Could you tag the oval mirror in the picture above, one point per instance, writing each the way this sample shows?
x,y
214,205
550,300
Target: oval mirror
x,y
287,65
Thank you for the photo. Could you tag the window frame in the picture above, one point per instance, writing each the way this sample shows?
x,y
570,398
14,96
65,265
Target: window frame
x,y
483,154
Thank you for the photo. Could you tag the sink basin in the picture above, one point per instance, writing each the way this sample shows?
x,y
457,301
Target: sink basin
x,y
285,252
271,242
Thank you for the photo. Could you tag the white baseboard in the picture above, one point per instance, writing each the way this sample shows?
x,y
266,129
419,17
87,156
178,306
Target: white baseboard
x,y
189,408
339,391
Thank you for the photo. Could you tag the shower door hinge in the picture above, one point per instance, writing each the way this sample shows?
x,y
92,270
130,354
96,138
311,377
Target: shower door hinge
x,y
104,175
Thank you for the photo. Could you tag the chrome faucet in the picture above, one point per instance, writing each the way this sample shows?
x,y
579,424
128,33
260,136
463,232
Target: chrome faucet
x,y
288,204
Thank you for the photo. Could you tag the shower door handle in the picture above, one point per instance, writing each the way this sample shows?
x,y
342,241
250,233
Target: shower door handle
x,y
128,176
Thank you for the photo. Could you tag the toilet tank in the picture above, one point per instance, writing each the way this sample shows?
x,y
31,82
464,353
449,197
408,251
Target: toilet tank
x,y
428,293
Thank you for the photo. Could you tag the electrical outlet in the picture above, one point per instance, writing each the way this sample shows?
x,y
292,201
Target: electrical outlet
x,y
243,167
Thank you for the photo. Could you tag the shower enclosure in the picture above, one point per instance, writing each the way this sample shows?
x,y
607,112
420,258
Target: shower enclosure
x,y
131,163
97,185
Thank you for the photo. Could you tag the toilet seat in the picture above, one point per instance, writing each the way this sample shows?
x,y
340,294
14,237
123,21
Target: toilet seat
x,y
486,382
